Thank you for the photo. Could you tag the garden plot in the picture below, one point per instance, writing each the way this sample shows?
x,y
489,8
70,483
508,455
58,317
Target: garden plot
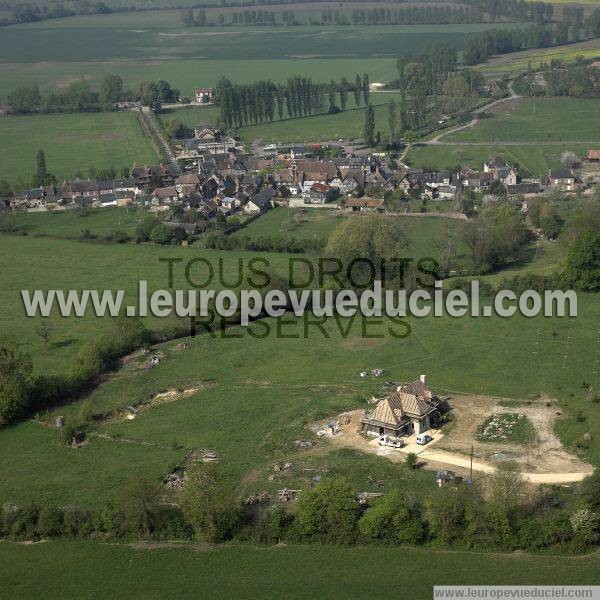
x,y
507,427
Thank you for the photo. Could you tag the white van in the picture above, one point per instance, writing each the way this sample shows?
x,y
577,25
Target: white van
x,y
386,440
423,438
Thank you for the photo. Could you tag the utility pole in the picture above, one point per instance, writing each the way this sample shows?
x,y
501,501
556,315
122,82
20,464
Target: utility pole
x,y
471,469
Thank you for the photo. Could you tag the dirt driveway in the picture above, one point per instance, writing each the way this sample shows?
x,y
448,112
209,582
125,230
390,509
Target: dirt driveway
x,y
545,461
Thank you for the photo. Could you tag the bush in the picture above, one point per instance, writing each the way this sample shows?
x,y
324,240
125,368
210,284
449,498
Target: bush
x,y
161,234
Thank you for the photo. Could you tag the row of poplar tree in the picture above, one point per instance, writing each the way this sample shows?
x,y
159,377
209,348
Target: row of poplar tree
x,y
262,101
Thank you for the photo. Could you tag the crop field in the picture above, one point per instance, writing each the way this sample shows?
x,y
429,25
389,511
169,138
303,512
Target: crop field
x,y
153,45
540,120
71,143
535,160
187,74
159,35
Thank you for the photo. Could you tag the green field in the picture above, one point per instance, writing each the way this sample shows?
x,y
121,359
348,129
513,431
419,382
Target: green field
x,y
71,143
80,569
347,124
61,264
114,266
540,120
258,407
424,236
159,35
87,476
300,223
535,160
70,224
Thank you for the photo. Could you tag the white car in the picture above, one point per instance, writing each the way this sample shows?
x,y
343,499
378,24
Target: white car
x,y
423,438
386,440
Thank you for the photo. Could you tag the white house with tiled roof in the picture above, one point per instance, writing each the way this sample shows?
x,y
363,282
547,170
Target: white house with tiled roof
x,y
412,408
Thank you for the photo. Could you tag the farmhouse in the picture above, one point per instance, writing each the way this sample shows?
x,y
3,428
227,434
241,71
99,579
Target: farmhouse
x,y
412,408
204,95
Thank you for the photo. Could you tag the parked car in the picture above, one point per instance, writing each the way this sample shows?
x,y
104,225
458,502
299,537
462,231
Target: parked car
x,y
386,440
423,438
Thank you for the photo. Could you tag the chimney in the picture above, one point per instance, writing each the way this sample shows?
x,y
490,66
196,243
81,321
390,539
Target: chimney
x,y
422,378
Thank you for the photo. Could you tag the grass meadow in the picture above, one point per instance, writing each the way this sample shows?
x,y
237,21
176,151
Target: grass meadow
x,y
424,236
70,224
42,263
80,569
540,120
535,160
71,143
347,124
264,391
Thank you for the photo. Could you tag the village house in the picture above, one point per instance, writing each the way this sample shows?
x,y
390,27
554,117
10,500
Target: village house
x,y
562,179
319,193
165,195
446,192
501,171
260,202
187,183
230,203
156,175
375,205
523,189
411,409
124,197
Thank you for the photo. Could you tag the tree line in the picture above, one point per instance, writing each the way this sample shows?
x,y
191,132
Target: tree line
x,y
480,46
261,101
579,80
79,96
504,515
369,16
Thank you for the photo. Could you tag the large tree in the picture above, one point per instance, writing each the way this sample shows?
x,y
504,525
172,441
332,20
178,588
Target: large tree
x,y
15,382
373,238
369,128
582,268
207,503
